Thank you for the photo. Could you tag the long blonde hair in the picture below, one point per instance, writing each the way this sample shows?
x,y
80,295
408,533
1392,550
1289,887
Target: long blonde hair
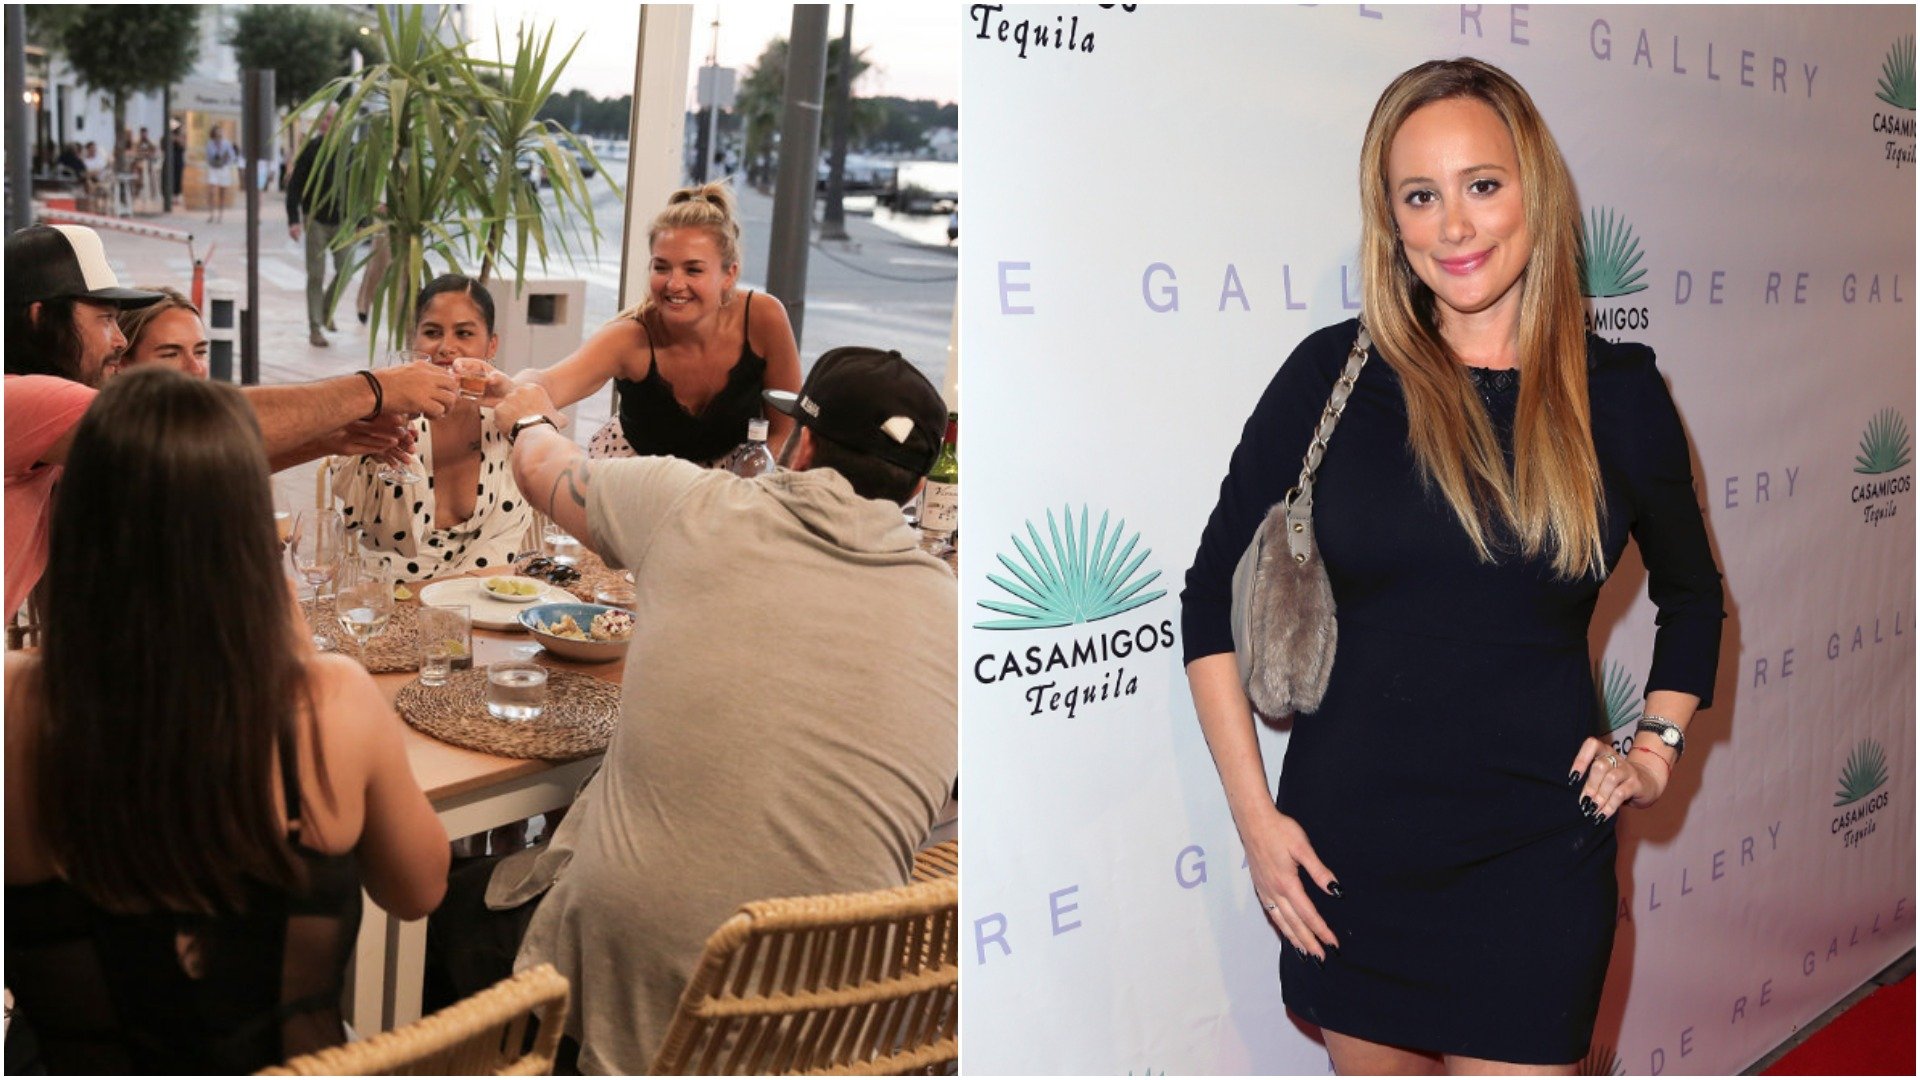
x,y
704,206
1552,498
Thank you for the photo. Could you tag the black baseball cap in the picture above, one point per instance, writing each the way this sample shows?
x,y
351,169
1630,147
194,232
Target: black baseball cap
x,y
871,401
64,262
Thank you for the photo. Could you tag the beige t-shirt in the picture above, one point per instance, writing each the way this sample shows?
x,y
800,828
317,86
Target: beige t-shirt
x,y
788,728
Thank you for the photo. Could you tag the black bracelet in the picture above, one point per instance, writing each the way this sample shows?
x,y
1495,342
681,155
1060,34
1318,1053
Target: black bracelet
x,y
379,395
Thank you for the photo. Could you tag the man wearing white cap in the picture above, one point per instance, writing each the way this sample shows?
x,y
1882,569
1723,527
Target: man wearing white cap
x,y
62,302
788,721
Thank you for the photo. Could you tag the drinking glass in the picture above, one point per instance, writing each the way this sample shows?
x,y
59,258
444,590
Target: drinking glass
x,y
558,544
409,473
319,541
445,641
472,375
516,689
363,603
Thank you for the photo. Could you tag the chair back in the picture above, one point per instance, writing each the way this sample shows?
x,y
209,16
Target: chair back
x,y
938,861
485,1035
851,983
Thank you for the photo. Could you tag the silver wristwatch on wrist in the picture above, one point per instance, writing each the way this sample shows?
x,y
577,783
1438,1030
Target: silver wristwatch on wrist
x,y
1668,731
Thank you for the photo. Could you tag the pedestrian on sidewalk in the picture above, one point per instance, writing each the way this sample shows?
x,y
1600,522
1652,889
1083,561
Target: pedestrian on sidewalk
x,y
314,196
222,157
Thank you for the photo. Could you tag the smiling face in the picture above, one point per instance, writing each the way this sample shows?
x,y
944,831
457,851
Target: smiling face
x,y
175,337
688,279
1453,180
452,325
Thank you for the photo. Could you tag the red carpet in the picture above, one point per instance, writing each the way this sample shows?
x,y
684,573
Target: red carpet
x,y
1874,1038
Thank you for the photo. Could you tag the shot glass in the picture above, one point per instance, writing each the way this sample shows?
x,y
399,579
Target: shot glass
x,y
446,642
558,544
618,594
516,689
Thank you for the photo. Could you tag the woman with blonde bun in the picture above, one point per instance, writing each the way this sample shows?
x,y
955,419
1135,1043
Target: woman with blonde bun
x,y
690,359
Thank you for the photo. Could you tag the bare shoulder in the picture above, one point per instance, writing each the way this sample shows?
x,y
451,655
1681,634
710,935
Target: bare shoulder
x,y
767,311
22,671
347,704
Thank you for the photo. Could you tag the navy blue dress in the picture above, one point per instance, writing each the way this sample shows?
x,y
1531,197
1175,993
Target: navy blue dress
x,y
1478,902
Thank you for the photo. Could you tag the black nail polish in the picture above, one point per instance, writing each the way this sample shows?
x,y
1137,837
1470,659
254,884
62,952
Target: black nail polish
x,y
1333,889
1317,962
1586,805
1573,778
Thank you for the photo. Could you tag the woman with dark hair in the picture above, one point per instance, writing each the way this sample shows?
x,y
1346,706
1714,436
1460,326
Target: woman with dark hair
x,y
467,514
194,799
691,359
1439,857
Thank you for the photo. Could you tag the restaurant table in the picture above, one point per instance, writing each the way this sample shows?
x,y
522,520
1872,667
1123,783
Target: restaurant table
x,y
472,792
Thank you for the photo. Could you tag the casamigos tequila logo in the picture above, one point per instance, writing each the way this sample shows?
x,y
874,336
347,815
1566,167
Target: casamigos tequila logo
x,y
1861,794
1893,128
1864,774
1602,1061
1610,256
1076,575
1885,446
1896,75
1617,698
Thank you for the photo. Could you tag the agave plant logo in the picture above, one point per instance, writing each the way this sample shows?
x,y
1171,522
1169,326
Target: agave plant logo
x,y
1886,445
1077,575
1618,696
1865,773
1602,1061
1610,255
1896,75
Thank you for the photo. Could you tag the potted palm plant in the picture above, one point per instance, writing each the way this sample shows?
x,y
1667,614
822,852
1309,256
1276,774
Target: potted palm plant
x,y
443,153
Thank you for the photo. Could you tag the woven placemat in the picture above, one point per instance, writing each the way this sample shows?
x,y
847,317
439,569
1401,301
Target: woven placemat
x,y
578,720
395,649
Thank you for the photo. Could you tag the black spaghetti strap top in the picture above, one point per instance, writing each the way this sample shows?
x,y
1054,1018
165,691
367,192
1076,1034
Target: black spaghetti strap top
x,y
169,993
655,422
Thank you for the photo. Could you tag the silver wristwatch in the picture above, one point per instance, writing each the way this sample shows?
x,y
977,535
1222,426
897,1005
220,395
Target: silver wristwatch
x,y
1668,731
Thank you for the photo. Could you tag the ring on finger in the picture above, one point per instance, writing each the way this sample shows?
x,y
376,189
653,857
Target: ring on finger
x,y
1611,760
1270,907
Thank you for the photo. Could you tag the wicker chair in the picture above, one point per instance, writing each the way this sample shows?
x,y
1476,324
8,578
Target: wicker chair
x,y
938,861
482,1035
854,983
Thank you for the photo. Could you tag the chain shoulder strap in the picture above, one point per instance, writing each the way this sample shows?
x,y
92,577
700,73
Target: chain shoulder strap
x,y
1300,500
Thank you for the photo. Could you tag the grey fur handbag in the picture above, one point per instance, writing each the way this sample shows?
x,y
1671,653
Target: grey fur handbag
x,y
1283,616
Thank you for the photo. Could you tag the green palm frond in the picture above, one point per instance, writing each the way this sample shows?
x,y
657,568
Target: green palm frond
x,y
1602,1061
1866,770
1610,255
1619,698
1886,445
1896,75
1071,577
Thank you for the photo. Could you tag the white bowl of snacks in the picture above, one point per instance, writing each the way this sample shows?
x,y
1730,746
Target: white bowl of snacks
x,y
591,633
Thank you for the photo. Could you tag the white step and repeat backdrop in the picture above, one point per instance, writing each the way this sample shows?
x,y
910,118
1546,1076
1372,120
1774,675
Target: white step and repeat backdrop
x,y
1161,203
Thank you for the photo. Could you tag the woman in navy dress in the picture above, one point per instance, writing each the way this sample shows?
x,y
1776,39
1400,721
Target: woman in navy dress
x,y
1440,855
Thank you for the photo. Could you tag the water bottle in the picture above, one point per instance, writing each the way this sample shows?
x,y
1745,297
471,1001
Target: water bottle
x,y
751,458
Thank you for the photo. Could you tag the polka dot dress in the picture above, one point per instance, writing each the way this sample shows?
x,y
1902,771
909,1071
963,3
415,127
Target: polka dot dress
x,y
610,441
397,520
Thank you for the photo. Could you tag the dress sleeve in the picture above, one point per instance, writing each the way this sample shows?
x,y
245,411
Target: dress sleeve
x,y
1682,580
1263,467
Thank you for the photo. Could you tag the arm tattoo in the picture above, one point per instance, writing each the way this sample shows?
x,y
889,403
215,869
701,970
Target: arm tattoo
x,y
576,486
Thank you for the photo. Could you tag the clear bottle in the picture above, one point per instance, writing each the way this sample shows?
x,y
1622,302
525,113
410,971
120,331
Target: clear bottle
x,y
940,503
751,458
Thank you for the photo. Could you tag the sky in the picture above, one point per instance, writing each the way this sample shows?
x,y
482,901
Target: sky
x,y
914,48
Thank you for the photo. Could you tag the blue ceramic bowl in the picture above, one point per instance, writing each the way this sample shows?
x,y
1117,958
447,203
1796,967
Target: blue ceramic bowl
x,y
590,652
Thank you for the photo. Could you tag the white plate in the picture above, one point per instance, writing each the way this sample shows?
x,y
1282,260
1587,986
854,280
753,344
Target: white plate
x,y
487,611
528,598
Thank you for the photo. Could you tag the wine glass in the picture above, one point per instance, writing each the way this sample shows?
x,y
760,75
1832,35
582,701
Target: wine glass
x,y
409,473
319,541
364,602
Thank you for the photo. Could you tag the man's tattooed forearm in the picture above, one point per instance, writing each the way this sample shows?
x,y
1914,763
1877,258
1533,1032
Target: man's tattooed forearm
x,y
576,485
